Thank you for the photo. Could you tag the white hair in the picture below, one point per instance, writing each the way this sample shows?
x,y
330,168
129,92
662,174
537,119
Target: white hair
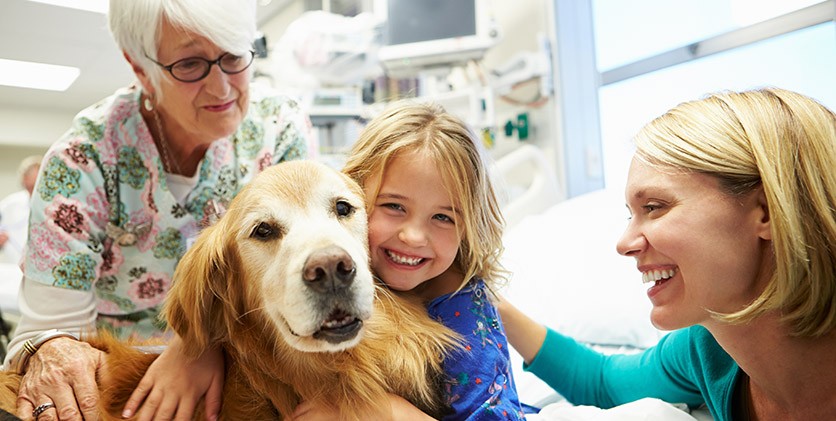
x,y
135,26
32,161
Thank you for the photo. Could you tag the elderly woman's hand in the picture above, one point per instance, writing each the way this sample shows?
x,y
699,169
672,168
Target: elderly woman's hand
x,y
174,384
63,373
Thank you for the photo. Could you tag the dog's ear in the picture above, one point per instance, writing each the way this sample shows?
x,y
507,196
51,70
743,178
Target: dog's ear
x,y
193,306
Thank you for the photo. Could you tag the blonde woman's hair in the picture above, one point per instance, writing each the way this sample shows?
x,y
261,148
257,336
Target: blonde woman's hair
x,y
408,126
785,142
135,26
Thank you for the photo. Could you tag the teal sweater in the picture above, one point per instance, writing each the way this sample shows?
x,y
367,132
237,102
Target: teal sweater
x,y
686,366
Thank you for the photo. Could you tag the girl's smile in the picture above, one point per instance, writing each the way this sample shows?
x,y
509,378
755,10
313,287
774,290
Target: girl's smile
x,y
404,260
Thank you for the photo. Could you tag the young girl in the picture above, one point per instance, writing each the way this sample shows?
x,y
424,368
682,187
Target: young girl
x,y
435,230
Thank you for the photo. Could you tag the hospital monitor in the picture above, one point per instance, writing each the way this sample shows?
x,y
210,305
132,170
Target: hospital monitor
x,y
428,33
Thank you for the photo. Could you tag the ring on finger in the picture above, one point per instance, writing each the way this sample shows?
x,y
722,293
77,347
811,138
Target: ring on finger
x,y
40,409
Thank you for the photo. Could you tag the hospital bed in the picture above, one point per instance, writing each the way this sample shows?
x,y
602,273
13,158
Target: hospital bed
x,y
565,271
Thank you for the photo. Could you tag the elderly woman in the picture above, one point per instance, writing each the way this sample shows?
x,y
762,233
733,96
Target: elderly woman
x,y
123,193
733,227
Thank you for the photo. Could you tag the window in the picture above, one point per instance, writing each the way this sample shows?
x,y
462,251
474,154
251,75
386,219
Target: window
x,y
802,60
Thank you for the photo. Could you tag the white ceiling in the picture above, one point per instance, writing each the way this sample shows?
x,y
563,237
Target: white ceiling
x,y
32,31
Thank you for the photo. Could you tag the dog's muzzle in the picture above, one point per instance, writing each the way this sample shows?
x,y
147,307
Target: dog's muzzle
x,y
330,272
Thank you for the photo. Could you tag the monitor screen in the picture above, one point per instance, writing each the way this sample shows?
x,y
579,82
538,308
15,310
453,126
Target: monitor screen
x,y
426,20
428,33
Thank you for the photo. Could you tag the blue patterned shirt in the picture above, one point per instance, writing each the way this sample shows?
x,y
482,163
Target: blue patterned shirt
x,y
479,384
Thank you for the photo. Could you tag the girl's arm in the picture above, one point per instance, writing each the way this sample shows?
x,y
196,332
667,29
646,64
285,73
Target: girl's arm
x,y
174,384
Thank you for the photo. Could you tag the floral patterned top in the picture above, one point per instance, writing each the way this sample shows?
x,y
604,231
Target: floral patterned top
x,y
480,385
103,220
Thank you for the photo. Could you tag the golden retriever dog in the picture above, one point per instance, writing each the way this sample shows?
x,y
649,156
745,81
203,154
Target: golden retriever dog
x,y
282,283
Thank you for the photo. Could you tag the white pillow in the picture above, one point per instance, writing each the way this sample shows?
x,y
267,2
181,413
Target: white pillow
x,y
566,274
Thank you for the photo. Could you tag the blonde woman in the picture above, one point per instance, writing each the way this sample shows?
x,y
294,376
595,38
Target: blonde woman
x,y
733,227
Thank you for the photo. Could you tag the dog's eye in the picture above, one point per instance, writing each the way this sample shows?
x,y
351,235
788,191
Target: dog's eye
x,y
343,208
264,231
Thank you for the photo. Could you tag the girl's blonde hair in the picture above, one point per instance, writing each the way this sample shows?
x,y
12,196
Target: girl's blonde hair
x,y
785,142
408,126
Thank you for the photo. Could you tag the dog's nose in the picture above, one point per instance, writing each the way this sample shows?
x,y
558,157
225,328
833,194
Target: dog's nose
x,y
329,269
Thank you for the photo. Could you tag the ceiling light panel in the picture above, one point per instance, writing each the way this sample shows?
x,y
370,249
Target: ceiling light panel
x,y
26,74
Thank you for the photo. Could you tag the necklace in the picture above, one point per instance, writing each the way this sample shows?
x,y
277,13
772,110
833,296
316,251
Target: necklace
x,y
169,163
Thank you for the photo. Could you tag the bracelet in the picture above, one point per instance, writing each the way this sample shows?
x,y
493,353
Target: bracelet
x,y
31,346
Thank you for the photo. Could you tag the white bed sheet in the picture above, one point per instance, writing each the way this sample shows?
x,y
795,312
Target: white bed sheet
x,y
647,409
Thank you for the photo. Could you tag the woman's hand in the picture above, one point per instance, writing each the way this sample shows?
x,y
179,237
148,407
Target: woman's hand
x,y
399,409
174,384
62,372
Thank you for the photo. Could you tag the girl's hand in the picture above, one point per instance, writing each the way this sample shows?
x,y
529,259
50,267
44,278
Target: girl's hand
x,y
62,372
173,385
399,409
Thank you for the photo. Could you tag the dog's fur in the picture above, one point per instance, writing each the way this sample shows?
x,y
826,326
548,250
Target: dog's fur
x,y
282,283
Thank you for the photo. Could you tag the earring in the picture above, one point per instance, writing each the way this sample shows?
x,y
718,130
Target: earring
x,y
149,106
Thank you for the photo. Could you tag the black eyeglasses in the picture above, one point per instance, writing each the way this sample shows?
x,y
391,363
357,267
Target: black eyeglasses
x,y
193,69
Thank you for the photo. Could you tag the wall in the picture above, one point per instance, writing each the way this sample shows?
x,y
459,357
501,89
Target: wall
x,y
10,157
25,132
275,27
32,127
523,24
